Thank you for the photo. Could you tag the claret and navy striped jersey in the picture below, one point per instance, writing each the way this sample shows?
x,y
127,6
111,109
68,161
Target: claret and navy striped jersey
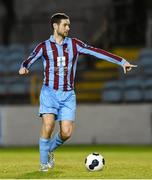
x,y
60,61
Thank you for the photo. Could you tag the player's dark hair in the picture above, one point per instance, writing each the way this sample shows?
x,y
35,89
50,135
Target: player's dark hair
x,y
57,17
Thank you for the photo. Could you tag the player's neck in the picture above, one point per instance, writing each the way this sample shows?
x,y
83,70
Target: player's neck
x,y
58,39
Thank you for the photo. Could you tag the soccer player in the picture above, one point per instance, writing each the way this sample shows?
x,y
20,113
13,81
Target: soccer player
x,y
57,98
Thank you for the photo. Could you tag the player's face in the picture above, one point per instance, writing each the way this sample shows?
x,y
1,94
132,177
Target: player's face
x,y
63,28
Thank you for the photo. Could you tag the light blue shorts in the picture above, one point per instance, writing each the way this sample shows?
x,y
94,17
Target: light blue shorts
x,y
60,103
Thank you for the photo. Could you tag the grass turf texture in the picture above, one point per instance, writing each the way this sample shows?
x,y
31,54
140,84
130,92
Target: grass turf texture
x,y
121,162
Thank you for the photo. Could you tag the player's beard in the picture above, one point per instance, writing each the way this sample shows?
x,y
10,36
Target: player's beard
x,y
63,34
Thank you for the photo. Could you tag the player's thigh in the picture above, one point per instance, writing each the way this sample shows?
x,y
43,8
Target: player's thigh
x,y
48,120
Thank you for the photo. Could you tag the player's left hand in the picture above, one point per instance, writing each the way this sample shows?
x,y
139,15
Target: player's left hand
x,y
128,67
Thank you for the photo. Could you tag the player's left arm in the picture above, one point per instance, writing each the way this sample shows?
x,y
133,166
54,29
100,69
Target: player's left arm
x,y
83,48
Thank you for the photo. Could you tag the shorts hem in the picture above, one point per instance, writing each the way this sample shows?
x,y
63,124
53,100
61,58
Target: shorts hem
x,y
72,120
41,114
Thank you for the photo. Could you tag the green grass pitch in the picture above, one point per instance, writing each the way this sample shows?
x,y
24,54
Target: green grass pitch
x,y
122,162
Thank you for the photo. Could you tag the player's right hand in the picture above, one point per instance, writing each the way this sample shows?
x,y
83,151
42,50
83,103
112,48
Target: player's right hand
x,y
23,71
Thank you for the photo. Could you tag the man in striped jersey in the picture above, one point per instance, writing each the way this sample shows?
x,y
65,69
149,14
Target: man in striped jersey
x,y
57,98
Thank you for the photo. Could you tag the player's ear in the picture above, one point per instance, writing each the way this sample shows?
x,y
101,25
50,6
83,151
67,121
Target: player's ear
x,y
55,26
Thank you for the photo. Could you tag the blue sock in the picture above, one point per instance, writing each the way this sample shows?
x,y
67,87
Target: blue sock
x,y
55,142
44,149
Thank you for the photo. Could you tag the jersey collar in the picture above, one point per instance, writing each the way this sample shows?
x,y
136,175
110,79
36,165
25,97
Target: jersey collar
x,y
53,40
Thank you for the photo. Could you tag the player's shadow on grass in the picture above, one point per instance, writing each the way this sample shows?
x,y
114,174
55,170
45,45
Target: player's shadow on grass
x,y
41,175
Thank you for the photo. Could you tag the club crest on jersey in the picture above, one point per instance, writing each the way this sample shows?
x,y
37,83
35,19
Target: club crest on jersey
x,y
66,50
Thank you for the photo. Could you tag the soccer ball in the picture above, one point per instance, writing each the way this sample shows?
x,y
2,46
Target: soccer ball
x,y
94,162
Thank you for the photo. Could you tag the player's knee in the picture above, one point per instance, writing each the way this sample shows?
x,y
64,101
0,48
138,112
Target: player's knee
x,y
66,134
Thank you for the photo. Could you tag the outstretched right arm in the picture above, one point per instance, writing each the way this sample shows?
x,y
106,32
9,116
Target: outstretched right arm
x,y
36,54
